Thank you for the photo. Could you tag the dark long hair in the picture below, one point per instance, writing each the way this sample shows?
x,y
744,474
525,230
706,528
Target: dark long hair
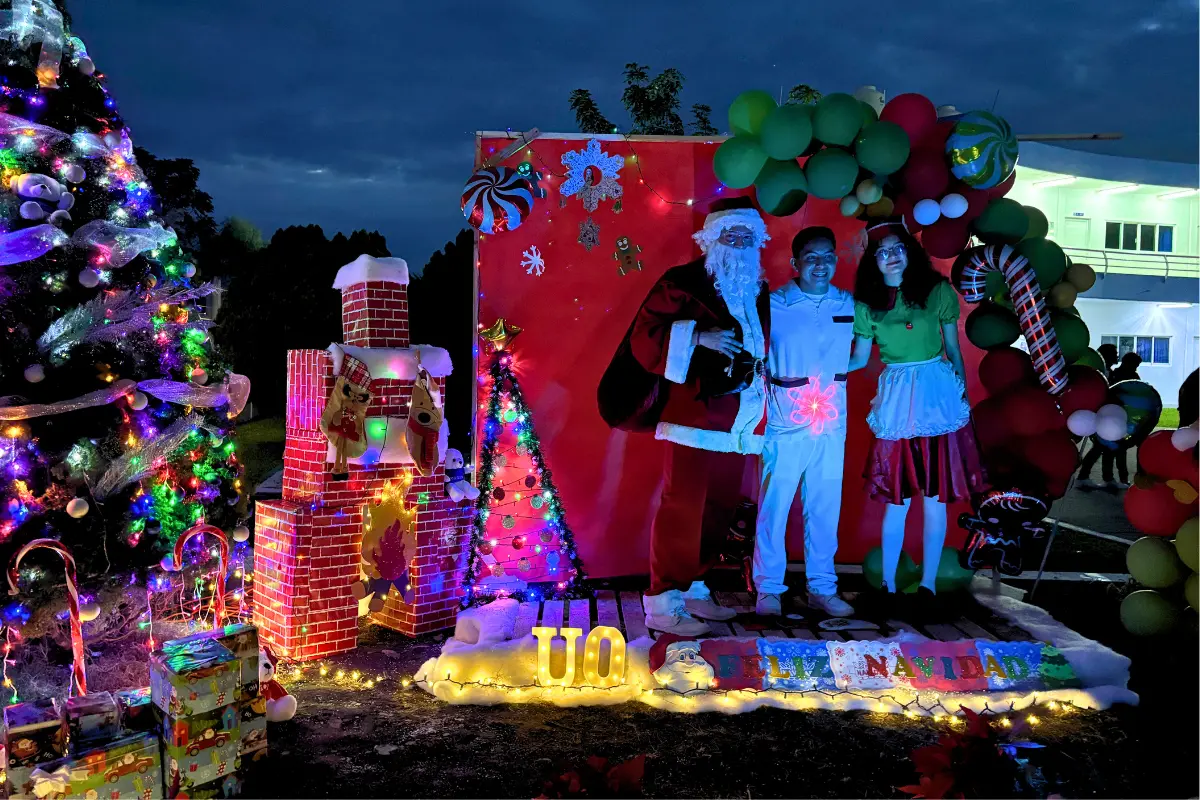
x,y
919,276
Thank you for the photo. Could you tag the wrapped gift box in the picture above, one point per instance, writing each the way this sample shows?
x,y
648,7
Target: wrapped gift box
x,y
129,766
240,639
34,733
229,786
91,719
136,712
253,716
193,676
201,748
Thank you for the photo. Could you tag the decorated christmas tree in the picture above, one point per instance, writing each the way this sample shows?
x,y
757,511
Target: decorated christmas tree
x,y
116,410
521,544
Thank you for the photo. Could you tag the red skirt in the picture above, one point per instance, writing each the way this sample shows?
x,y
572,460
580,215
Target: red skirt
x,y
947,467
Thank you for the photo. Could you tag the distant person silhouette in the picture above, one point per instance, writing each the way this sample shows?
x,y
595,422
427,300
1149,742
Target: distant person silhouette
x,y
1126,370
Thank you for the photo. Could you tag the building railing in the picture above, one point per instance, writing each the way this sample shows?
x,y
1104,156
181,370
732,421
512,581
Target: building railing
x,y
1136,262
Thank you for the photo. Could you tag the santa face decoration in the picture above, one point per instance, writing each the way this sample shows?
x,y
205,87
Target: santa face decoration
x,y
345,415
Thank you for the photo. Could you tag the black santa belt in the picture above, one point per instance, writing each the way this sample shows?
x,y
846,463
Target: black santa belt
x,y
792,383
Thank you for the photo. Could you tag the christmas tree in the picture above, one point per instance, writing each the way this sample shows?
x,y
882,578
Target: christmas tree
x,y
521,544
116,410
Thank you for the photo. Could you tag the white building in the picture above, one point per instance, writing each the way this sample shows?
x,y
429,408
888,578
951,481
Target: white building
x,y
1137,222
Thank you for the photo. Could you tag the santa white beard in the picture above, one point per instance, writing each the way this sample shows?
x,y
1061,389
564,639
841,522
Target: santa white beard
x,y
738,273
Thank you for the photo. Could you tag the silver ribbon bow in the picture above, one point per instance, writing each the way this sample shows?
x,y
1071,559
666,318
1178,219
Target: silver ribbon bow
x,y
33,21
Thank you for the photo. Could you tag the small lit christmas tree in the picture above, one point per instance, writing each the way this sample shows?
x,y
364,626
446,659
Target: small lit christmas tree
x,y
521,544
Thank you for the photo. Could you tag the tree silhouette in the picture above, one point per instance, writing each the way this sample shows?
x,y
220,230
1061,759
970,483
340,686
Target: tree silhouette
x,y
701,124
803,94
653,104
587,114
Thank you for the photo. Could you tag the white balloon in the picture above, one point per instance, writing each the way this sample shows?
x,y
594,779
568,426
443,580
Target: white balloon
x,y
1185,438
1110,429
1113,410
927,211
868,192
77,508
953,206
35,373
1082,422
849,206
241,533
89,278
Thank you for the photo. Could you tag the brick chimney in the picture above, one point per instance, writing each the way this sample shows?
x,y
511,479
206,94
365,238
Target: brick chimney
x,y
374,302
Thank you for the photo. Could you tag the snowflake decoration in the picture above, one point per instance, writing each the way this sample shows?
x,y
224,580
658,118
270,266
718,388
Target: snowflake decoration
x,y
533,262
589,234
812,405
581,168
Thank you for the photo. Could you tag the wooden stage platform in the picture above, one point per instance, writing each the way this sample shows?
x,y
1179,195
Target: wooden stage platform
x,y
623,610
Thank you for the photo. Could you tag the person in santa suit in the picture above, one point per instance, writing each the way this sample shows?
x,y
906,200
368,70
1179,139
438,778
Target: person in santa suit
x,y
691,369
812,330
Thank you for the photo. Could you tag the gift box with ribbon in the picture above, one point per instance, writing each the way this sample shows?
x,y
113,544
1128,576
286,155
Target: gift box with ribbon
x,y
229,786
136,711
91,719
193,676
35,733
240,639
200,748
129,766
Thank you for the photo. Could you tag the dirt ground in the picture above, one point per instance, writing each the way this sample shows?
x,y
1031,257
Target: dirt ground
x,y
392,741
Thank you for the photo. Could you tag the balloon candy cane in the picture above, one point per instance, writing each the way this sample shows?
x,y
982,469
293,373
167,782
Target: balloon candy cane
x,y
219,595
1032,314
78,674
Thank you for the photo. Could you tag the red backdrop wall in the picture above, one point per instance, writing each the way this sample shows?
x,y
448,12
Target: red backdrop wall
x,y
577,311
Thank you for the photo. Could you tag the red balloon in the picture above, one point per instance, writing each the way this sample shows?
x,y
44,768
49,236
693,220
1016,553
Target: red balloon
x,y
904,208
947,237
1155,511
1006,368
1086,390
977,199
992,430
914,113
925,174
1001,189
1032,411
1053,457
1158,457
936,138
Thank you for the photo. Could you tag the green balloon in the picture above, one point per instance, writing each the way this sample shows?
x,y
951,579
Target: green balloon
x,y
951,575
787,131
1048,260
748,111
869,116
837,119
1191,590
995,285
907,571
882,148
1187,544
1153,562
1091,358
831,173
1002,222
1147,613
738,161
781,188
990,326
1039,226
1072,333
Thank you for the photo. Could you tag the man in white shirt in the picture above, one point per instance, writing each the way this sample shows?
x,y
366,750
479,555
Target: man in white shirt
x,y
812,330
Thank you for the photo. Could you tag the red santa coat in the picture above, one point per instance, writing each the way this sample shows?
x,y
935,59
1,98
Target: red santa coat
x,y
659,381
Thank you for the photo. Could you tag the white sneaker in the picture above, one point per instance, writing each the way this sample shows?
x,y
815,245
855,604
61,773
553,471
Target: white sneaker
x,y
667,613
1087,483
831,604
700,603
768,605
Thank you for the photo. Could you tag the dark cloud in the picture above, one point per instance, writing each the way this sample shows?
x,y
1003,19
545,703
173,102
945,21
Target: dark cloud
x,y
362,114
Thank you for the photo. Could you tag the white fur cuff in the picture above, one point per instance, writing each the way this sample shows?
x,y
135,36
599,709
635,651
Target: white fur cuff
x,y
679,350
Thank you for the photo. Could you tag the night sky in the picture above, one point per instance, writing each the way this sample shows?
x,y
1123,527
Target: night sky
x,y
362,114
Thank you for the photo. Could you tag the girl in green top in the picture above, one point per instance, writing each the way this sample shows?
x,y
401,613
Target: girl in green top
x,y
924,444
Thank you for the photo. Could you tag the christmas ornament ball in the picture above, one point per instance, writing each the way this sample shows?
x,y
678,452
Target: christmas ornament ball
x,y
89,278
35,373
241,533
89,611
78,508
138,401
199,376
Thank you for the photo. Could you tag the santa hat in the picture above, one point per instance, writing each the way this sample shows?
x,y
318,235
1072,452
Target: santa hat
x,y
891,226
355,371
730,213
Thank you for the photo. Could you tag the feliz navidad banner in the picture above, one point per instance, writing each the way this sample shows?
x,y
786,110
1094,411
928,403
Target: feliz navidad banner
x,y
970,665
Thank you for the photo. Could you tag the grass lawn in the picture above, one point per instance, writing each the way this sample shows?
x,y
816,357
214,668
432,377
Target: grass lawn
x,y
261,445
1169,418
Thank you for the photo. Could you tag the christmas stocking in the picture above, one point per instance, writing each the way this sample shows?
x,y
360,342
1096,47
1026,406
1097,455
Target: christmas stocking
x,y
345,413
424,424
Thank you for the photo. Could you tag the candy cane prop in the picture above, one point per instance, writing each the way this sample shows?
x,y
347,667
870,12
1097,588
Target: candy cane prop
x,y
1032,314
78,673
219,598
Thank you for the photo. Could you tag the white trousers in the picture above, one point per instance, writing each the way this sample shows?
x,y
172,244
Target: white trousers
x,y
814,464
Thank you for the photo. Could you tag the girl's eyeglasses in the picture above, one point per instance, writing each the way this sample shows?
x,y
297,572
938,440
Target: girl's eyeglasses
x,y
884,253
